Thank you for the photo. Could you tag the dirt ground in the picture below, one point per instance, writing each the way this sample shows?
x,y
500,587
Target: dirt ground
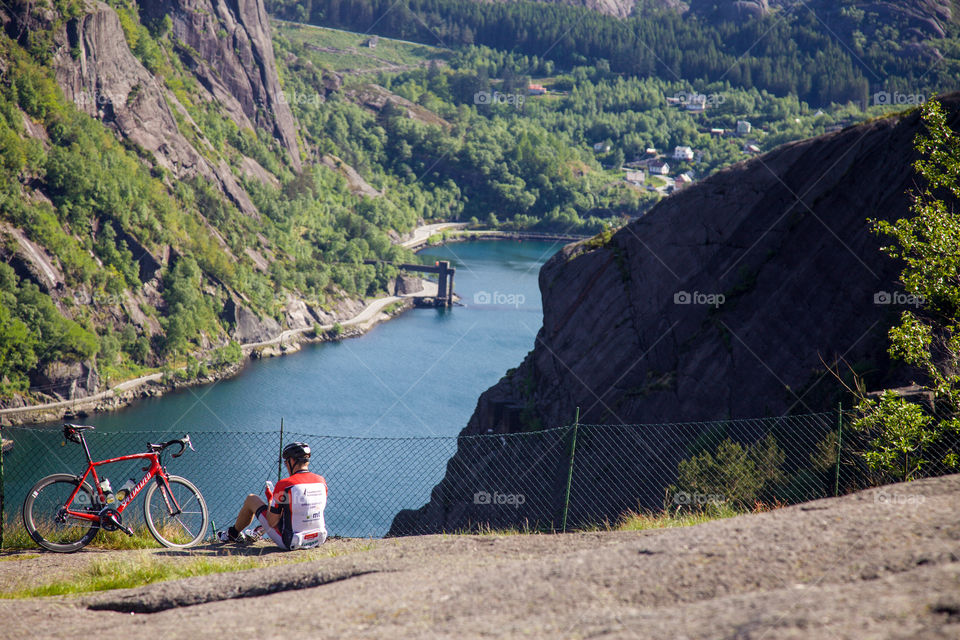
x,y
884,563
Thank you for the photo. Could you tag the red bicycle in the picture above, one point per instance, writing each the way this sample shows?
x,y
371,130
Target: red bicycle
x,y
63,513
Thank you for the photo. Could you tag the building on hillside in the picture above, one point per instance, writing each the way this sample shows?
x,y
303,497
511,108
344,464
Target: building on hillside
x,y
718,132
536,90
743,127
658,166
601,147
696,103
683,154
635,177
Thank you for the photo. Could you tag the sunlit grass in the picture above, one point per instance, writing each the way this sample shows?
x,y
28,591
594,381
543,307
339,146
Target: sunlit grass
x,y
484,529
137,570
16,538
20,556
641,521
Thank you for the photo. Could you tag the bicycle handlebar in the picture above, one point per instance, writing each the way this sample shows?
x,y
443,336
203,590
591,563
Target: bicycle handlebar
x,y
184,442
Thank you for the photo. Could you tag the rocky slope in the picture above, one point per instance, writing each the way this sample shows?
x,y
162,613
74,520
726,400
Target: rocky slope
x,y
235,61
110,84
883,563
204,108
725,300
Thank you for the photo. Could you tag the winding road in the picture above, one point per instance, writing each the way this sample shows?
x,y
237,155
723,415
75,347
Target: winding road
x,y
363,321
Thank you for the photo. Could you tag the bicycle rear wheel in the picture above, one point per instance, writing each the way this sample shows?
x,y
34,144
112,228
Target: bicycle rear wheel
x,y
45,517
181,530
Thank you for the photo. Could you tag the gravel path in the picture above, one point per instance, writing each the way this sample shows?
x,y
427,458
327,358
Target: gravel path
x,y
884,563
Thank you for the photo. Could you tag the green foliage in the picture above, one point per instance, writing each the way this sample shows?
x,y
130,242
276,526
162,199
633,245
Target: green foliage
x,y
229,354
783,53
906,433
34,332
189,311
734,474
910,442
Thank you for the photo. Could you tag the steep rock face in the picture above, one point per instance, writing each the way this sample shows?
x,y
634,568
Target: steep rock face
x,y
635,329
67,380
110,84
236,62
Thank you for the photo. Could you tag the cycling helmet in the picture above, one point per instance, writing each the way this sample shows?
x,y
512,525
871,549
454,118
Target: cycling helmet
x,y
296,450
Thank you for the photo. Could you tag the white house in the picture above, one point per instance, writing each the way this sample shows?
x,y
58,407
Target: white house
x,y
743,127
697,104
683,154
601,147
659,167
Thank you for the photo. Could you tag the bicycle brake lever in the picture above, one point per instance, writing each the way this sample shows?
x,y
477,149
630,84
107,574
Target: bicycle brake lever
x,y
184,443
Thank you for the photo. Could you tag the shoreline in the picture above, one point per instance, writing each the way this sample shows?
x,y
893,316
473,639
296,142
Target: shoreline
x,y
152,385
287,342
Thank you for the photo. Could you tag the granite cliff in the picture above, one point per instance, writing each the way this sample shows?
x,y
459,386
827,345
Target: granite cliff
x,y
724,301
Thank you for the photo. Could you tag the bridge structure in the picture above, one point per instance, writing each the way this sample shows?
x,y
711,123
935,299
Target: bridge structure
x,y
444,273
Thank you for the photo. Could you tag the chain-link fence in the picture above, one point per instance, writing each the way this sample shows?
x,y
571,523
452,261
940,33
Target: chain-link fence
x,y
564,478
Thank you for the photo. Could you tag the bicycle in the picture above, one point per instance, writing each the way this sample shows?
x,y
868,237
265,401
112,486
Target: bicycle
x,y
63,513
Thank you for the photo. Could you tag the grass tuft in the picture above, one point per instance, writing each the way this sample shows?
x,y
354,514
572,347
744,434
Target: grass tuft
x,y
143,568
641,521
16,538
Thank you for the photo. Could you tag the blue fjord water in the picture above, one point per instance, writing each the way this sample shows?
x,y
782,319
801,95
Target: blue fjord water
x,y
366,405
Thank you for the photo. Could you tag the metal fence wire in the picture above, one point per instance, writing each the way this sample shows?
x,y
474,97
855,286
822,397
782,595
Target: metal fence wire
x,y
570,477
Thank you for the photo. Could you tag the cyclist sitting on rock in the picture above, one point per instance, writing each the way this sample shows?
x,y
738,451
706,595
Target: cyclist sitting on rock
x,y
294,518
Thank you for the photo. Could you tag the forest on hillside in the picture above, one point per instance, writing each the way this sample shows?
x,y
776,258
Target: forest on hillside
x,y
96,202
841,57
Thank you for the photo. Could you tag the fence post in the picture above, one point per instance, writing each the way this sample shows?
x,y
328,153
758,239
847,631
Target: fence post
x,y
2,505
280,454
573,451
836,478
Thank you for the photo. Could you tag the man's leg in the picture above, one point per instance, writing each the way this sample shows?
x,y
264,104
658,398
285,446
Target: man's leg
x,y
247,511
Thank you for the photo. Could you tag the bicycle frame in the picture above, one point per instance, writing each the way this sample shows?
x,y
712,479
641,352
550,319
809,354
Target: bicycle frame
x,y
155,469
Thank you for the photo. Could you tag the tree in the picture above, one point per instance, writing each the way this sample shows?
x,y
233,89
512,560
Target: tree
x,y
910,442
733,473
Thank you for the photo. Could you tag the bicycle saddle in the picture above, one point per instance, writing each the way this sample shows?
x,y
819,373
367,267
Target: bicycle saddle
x,y
79,427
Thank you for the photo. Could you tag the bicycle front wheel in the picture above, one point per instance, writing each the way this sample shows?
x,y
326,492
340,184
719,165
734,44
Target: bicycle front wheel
x,y
45,513
175,530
